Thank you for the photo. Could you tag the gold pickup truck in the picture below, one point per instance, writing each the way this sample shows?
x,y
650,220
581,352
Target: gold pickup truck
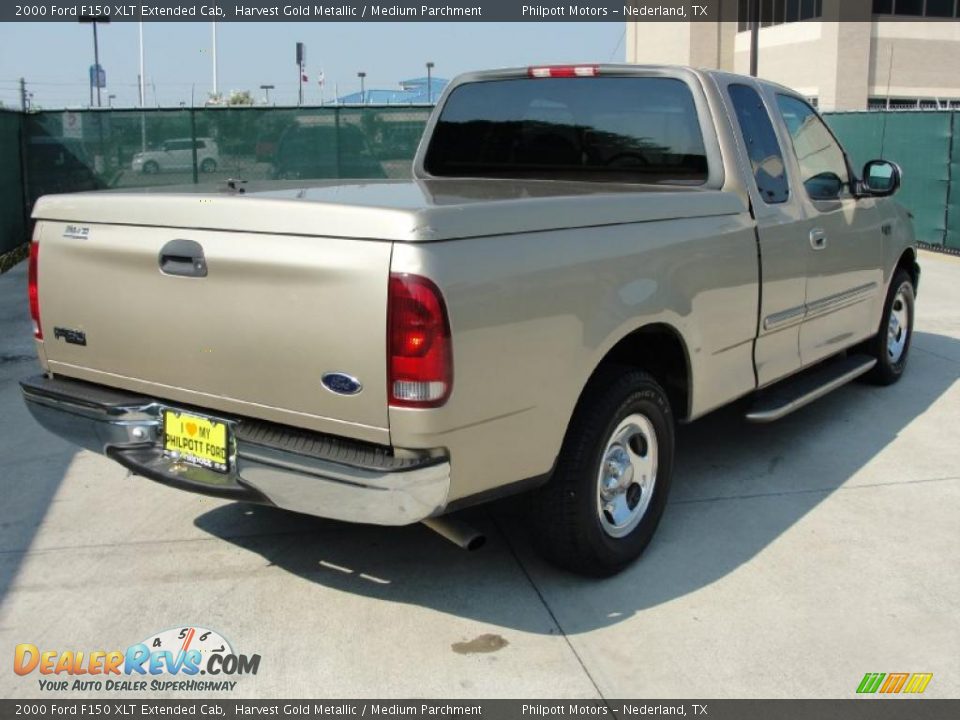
x,y
584,257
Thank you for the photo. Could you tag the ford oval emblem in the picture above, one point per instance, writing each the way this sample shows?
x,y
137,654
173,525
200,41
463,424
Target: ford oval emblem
x,y
341,383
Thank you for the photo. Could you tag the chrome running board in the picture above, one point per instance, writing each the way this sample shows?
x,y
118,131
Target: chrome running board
x,y
793,393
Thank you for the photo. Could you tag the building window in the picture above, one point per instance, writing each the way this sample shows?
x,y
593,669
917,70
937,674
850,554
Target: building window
x,y
778,12
876,103
917,8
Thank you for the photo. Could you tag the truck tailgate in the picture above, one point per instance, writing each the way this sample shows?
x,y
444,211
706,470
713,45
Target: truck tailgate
x,y
254,336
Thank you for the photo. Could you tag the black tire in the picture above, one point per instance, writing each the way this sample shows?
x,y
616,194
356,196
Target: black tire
x,y
209,165
890,367
566,513
150,167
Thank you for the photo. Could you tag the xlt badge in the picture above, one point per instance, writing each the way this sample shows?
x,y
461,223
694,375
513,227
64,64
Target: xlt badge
x,y
77,232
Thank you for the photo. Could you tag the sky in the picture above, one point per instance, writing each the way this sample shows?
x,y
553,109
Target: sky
x,y
54,57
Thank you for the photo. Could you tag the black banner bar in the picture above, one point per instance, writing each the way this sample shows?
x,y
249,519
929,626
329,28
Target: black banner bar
x,y
873,708
416,11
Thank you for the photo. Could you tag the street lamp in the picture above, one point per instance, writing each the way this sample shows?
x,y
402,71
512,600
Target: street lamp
x,y
363,93
429,82
95,75
754,10
267,89
110,98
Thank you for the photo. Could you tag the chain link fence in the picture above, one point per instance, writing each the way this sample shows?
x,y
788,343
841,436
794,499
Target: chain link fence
x,y
926,146
69,151
12,200
66,151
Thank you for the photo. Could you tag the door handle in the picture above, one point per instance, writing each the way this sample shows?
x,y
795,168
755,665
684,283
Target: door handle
x,y
818,239
183,258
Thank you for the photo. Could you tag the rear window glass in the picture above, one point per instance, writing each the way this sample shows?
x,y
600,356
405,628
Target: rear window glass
x,y
615,129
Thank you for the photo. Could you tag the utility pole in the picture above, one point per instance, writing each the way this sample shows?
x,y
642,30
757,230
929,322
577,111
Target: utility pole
x,y
95,74
363,92
429,82
23,95
754,37
96,60
301,60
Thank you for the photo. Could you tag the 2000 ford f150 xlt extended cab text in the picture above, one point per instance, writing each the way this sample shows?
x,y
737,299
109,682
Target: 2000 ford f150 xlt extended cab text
x,y
585,256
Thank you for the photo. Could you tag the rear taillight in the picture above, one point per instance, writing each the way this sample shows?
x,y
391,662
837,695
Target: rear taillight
x,y
563,71
33,290
419,352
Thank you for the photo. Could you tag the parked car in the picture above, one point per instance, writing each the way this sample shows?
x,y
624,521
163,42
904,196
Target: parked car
x,y
585,257
176,154
324,151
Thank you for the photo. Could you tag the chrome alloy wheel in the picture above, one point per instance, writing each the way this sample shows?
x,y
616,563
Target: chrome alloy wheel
x,y
627,474
898,327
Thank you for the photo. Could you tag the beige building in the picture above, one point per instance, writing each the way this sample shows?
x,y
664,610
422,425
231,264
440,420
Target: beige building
x,y
816,48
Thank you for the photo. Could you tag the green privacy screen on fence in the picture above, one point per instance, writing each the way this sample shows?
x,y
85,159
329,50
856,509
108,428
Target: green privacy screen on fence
x,y
953,201
89,150
67,151
12,208
922,144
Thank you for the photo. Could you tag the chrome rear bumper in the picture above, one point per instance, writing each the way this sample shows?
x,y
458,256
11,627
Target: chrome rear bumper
x,y
286,467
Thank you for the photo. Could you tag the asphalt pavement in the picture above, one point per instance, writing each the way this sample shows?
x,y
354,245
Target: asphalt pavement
x,y
792,559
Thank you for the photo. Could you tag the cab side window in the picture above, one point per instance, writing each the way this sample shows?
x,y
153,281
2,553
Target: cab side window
x,y
763,149
823,167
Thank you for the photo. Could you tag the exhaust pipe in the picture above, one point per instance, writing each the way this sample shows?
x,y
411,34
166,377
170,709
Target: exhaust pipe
x,y
457,532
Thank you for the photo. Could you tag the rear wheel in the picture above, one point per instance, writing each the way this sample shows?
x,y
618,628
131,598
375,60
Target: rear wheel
x,y
891,345
601,508
209,165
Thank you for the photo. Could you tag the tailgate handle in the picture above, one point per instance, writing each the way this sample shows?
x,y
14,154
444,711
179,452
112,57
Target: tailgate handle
x,y
183,258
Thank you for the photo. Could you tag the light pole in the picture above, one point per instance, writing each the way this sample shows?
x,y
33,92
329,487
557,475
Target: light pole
x,y
429,82
213,31
140,78
267,89
110,98
301,61
363,93
95,75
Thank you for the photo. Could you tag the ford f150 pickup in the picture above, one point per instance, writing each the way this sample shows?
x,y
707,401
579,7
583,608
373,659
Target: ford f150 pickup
x,y
584,257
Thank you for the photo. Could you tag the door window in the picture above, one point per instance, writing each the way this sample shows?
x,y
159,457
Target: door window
x,y
823,166
766,159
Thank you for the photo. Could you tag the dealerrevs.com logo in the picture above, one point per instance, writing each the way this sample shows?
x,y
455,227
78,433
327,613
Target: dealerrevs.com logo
x,y
180,659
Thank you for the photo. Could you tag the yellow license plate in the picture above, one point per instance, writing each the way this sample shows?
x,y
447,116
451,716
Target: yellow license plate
x,y
196,440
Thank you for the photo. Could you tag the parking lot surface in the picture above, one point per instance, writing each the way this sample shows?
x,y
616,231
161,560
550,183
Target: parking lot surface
x,y
792,559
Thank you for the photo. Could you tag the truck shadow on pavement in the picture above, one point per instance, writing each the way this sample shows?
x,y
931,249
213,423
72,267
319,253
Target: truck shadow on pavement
x,y
34,462
737,488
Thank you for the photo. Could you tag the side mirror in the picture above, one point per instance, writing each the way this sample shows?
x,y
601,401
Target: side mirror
x,y
881,178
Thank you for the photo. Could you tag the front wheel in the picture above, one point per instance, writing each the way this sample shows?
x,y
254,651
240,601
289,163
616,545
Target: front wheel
x,y
601,508
891,345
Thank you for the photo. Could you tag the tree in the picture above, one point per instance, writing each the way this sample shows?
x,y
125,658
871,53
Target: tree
x,y
240,97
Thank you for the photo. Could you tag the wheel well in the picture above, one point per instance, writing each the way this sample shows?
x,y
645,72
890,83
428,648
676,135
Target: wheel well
x,y
658,350
908,262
